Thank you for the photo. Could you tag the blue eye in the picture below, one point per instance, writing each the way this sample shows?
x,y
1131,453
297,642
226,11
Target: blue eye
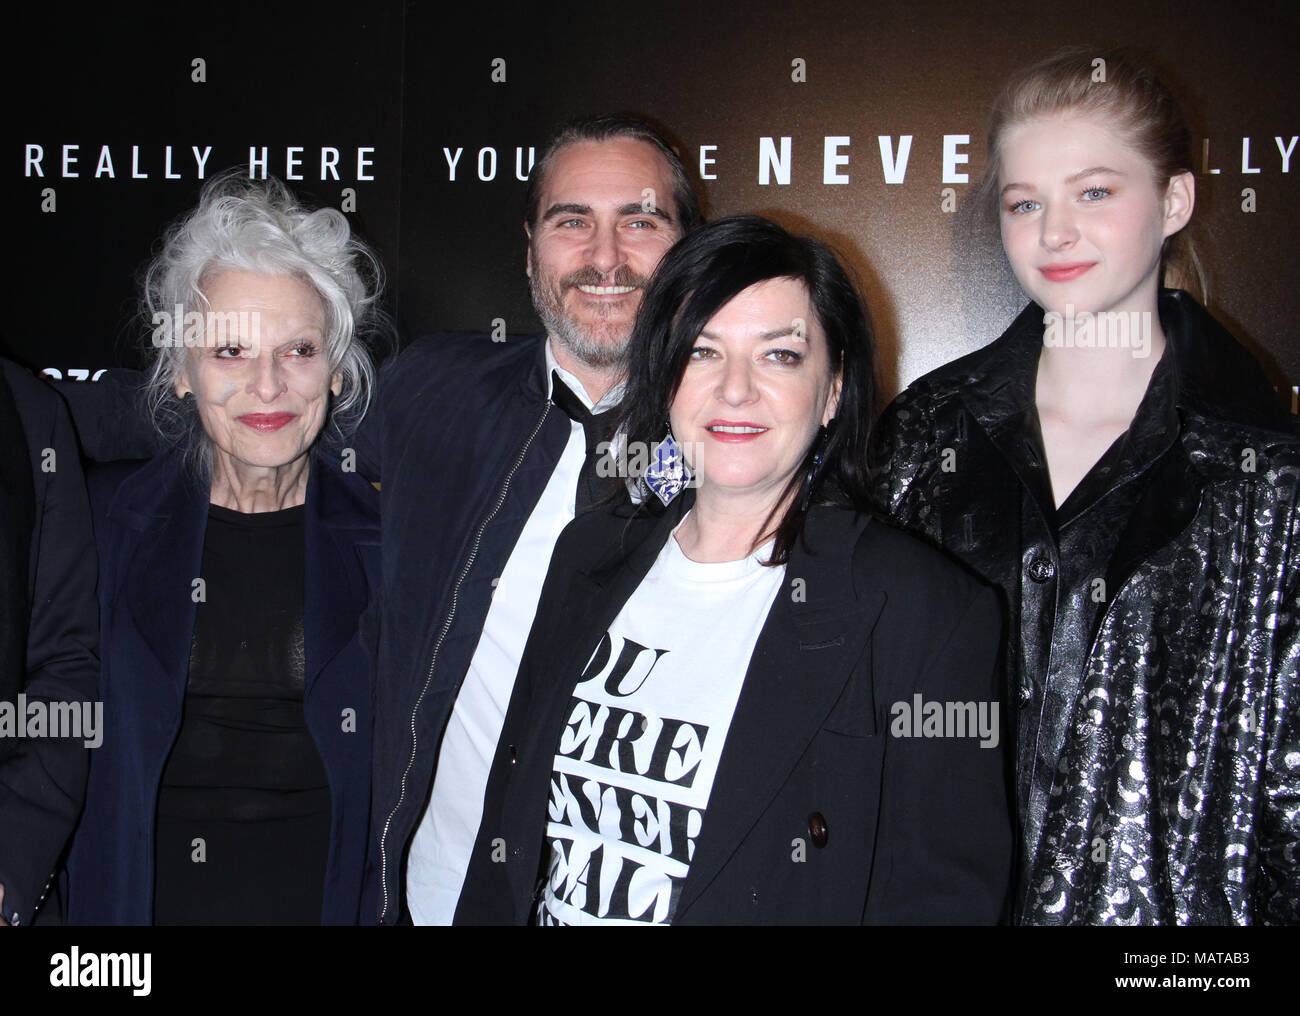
x,y
1021,207
1099,192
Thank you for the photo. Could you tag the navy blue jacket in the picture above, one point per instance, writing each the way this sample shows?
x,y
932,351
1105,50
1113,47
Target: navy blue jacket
x,y
464,440
150,522
49,649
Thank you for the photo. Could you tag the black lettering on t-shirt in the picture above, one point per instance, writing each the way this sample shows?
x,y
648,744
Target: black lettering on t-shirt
x,y
689,753
627,657
610,738
575,800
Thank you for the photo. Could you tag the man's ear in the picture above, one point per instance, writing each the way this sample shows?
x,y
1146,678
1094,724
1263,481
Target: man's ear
x,y
1180,199
528,255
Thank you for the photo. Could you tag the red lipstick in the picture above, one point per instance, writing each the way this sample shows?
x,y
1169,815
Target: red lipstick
x,y
266,422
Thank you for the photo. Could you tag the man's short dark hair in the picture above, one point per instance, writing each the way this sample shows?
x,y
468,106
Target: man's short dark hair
x,y
608,127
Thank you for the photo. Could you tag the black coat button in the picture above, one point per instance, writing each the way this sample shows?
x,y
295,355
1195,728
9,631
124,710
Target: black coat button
x,y
817,829
1041,569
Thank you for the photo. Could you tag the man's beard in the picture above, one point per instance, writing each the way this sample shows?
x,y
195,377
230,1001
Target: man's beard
x,y
600,344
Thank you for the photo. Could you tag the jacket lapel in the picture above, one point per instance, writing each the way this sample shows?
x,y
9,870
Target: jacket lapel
x,y
168,515
800,666
1000,397
1169,504
1214,377
339,535
595,593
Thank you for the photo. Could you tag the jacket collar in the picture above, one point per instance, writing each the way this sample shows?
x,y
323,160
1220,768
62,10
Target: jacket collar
x,y
821,581
535,382
1204,374
162,502
1217,377
1211,374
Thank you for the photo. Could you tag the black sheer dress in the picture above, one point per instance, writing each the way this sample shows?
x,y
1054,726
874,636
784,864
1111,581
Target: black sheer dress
x,y
244,805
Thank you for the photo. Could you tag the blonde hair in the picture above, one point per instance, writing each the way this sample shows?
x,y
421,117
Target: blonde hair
x,y
1113,87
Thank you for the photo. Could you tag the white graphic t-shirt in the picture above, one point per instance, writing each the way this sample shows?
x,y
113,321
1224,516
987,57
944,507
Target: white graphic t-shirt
x,y
635,764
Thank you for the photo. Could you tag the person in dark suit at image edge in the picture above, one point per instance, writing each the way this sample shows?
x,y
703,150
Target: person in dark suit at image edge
x,y
49,641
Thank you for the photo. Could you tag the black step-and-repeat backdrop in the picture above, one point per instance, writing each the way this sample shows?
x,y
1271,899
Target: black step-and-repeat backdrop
x,y
862,123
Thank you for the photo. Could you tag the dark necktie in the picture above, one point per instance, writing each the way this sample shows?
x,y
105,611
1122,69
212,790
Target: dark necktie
x,y
596,429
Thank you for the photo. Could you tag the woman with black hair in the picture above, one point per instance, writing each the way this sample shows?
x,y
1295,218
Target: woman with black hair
x,y
742,699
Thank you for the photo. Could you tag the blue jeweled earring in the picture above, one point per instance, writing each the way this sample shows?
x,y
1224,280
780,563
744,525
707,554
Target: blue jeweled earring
x,y
666,474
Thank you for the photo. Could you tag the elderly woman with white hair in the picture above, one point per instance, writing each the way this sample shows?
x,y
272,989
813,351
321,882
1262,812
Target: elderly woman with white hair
x,y
232,785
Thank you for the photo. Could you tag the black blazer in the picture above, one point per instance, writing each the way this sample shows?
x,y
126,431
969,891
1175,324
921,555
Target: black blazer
x,y
50,647
916,830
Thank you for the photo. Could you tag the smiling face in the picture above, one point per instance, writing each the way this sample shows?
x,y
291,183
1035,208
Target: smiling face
x,y
605,219
756,388
261,382
1083,215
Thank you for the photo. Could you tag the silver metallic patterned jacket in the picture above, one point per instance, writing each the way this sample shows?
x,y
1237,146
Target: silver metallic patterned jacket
x,y
1175,797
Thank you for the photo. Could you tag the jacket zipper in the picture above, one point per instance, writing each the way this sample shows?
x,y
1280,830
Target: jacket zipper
x,y
442,635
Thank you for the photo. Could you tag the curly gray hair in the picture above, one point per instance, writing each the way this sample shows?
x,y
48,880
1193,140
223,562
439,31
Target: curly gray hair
x,y
261,227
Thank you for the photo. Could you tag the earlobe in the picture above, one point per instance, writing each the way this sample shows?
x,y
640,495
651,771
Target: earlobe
x,y
1180,199
528,252
336,384
833,403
